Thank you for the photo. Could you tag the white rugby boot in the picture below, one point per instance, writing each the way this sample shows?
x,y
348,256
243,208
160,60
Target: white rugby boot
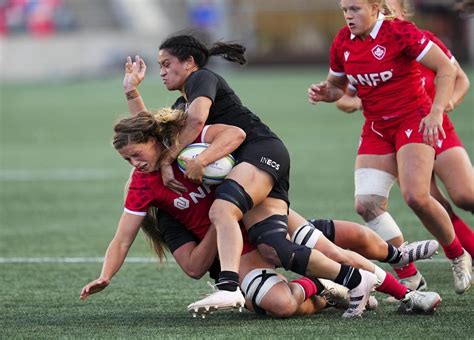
x,y
462,272
217,300
414,282
337,296
414,251
419,302
372,304
359,296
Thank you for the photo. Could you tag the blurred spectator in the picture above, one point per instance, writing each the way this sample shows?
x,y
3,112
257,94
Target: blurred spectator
x,y
39,18
465,7
203,14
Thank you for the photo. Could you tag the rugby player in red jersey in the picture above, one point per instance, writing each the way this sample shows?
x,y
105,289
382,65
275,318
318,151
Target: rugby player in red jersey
x,y
379,56
452,163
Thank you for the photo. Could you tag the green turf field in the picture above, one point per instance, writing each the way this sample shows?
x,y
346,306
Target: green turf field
x,y
61,197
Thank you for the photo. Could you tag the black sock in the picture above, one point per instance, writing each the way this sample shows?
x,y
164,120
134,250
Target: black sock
x,y
348,277
319,286
394,254
228,281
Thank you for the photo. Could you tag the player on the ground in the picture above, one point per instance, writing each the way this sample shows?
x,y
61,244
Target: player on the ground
x,y
137,140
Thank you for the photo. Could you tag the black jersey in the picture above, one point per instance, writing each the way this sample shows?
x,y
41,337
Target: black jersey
x,y
226,106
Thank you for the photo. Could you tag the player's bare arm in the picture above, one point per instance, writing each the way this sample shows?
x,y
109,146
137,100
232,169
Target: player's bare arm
x,y
330,90
134,75
223,139
196,259
117,251
198,112
431,125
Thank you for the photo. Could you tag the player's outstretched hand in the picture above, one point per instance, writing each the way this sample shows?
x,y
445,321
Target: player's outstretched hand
x,y
134,73
93,287
318,92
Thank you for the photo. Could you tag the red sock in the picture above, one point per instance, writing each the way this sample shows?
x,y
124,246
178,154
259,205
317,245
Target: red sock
x,y
308,286
392,287
464,234
407,271
454,249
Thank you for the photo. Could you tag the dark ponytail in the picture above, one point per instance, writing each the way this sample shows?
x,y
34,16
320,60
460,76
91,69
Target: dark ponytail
x,y
231,52
185,46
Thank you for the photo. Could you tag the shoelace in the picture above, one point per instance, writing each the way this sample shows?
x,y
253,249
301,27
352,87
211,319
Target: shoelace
x,y
457,268
328,294
213,287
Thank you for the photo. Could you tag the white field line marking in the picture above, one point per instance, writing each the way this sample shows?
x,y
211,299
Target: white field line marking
x,y
169,259
73,174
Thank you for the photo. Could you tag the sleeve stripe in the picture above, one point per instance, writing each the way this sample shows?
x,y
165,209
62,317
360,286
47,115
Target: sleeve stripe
x,y
452,60
425,50
138,213
203,133
337,74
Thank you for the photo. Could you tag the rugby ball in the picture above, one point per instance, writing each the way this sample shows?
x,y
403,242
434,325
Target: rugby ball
x,y
215,172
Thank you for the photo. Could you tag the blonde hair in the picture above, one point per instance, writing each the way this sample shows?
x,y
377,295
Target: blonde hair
x,y
406,9
384,8
164,124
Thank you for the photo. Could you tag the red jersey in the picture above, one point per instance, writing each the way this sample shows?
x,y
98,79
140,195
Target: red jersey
x,y
191,209
384,68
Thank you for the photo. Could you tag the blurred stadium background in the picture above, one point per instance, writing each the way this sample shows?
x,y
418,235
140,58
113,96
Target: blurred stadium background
x,y
61,68
57,39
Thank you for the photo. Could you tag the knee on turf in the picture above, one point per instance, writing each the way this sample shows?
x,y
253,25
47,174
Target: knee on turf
x,y
268,293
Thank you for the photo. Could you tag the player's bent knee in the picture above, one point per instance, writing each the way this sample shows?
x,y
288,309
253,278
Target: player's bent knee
x,y
234,193
326,227
306,235
370,205
417,201
257,283
220,214
270,237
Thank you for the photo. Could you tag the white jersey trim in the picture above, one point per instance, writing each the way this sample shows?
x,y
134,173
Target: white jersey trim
x,y
425,50
376,29
337,74
138,213
203,133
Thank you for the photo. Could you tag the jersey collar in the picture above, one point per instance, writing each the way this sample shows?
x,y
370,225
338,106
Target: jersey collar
x,y
376,28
